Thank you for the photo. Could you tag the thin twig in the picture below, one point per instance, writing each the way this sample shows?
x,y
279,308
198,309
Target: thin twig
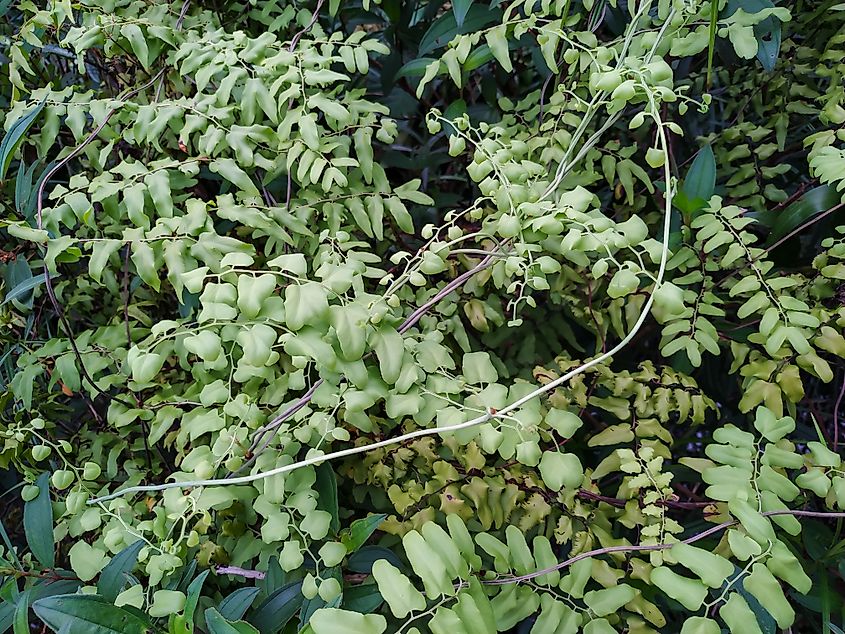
x,y
804,225
240,572
620,502
263,440
307,27
39,216
836,415
489,415
182,13
650,547
414,317
792,233
126,254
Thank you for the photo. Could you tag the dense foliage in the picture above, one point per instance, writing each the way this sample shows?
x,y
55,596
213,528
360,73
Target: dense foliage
x,y
560,282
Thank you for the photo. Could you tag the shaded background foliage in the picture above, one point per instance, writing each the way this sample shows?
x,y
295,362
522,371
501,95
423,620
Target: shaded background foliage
x,y
267,173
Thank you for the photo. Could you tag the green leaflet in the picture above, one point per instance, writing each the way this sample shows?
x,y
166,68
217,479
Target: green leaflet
x,y
560,470
305,304
144,258
133,33
398,592
608,601
336,621
762,585
229,170
390,351
689,592
431,568
497,41
709,567
354,250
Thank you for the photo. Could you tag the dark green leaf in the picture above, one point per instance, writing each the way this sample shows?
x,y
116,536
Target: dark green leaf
x,y
7,615
460,8
274,613
235,605
812,203
38,524
364,598
825,595
113,577
9,591
20,291
767,32
360,530
764,619
49,588
711,39
217,624
26,191
14,137
363,559
9,546
21,623
479,56
193,596
445,28
676,236
454,110
327,493
190,302
700,182
275,577
817,539
16,274
23,186
186,578
88,614
309,606
414,68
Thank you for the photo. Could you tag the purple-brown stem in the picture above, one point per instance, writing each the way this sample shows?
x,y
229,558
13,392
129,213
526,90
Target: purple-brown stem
x,y
262,440
644,548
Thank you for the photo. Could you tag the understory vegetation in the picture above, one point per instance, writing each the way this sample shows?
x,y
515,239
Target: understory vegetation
x,y
411,316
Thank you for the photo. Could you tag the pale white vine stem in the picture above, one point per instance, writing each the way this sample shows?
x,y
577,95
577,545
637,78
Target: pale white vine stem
x,y
351,451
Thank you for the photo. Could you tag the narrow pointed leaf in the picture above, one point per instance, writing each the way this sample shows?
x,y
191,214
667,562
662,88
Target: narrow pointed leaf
x,y
14,137
38,524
